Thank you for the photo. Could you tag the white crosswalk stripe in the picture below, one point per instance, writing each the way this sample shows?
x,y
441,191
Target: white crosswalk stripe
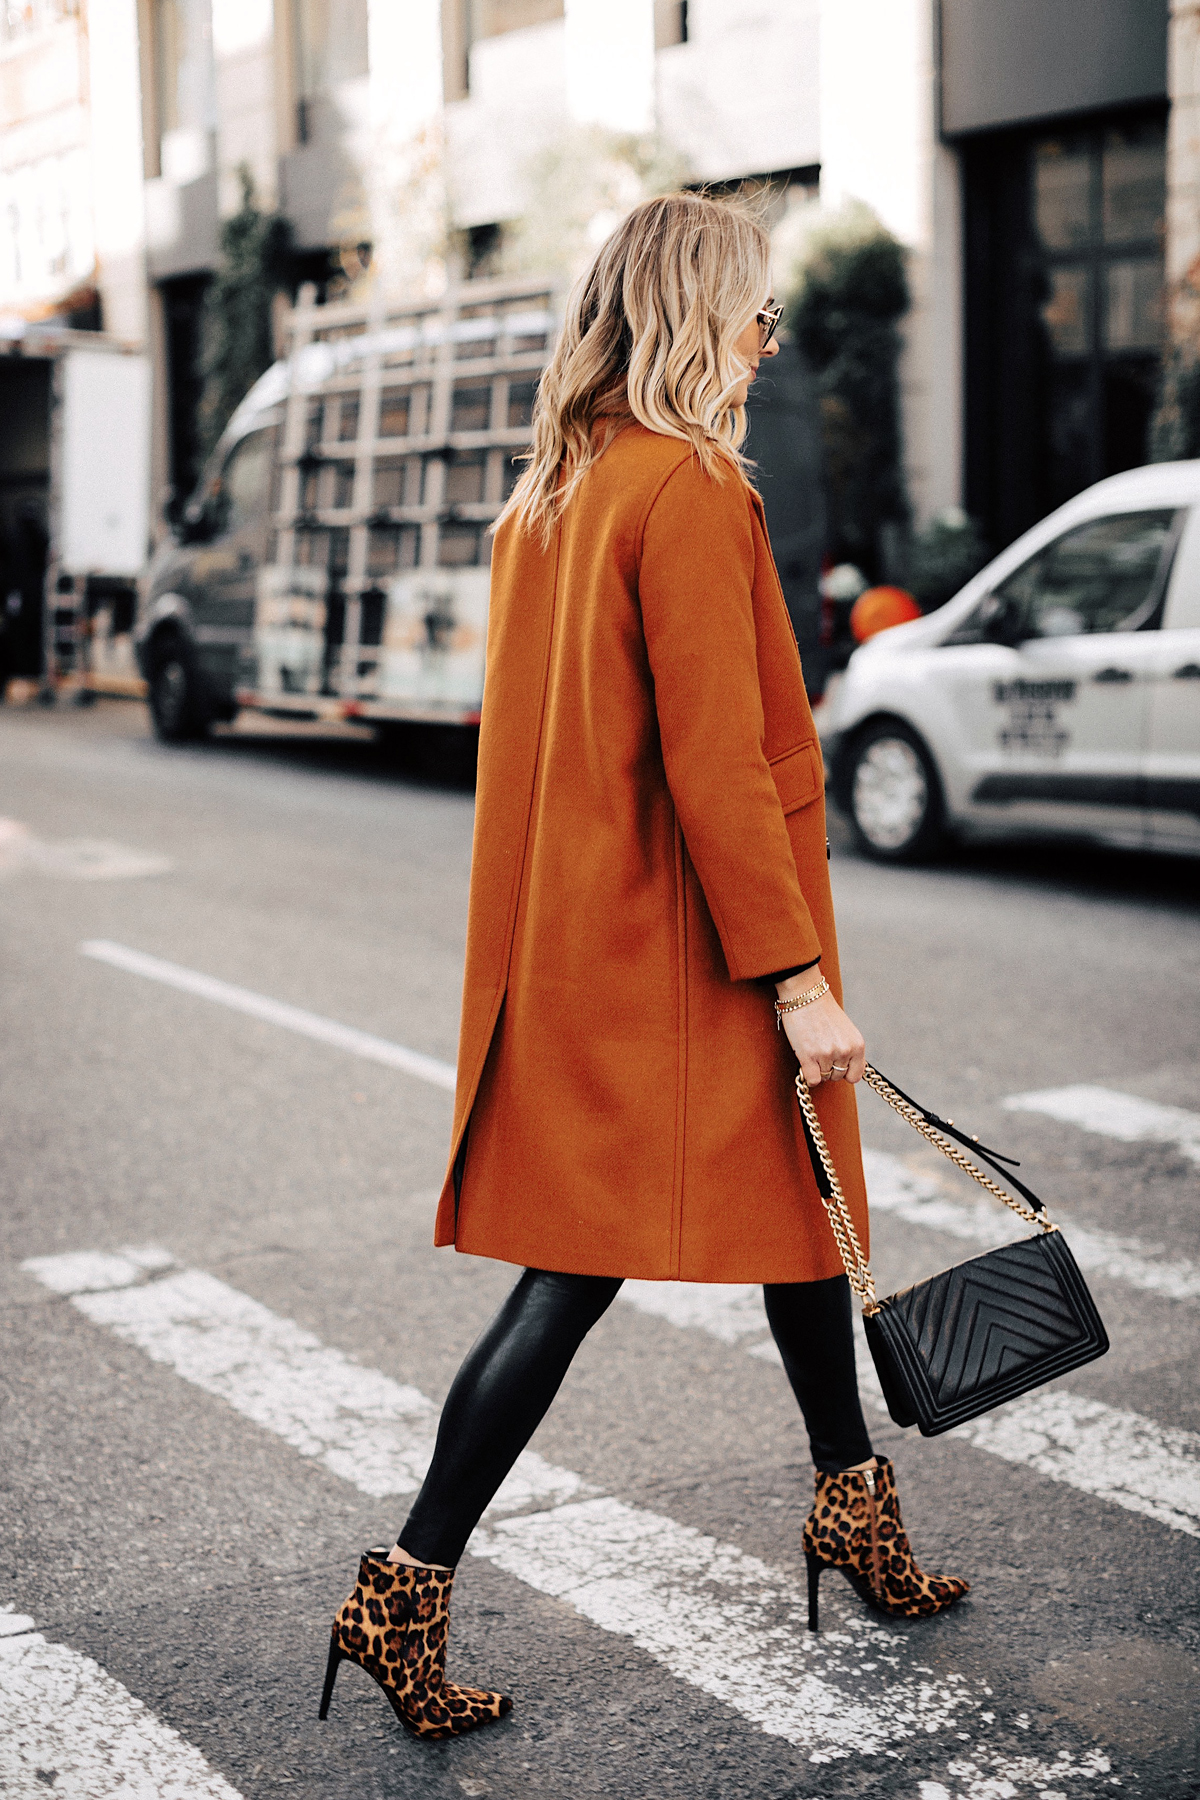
x,y
1115,1115
921,1199
273,1012
1118,1456
67,1727
714,1616
548,1528
893,1187
1065,1437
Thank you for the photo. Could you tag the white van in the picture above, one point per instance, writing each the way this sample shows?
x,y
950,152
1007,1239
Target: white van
x,y
1058,693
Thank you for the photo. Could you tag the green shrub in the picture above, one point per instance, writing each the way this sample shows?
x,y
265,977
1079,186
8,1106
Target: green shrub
x,y
1175,426
942,557
850,292
237,338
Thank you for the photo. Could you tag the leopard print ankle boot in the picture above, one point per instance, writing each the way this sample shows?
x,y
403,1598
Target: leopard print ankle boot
x,y
855,1526
394,1626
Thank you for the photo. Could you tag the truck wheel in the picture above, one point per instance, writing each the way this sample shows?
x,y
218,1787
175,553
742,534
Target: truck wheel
x,y
895,799
176,703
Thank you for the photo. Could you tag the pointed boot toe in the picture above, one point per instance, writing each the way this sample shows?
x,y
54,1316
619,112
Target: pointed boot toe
x,y
855,1527
394,1625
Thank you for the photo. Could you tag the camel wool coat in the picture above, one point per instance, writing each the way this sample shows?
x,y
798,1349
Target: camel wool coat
x,y
649,845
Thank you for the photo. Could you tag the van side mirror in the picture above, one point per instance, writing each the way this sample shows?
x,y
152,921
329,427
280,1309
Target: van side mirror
x,y
196,523
1002,622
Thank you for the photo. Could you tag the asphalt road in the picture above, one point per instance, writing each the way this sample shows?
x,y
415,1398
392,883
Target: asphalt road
x,y
182,1523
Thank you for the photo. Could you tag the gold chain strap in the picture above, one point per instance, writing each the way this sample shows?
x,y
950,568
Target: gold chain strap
x,y
855,1263
856,1266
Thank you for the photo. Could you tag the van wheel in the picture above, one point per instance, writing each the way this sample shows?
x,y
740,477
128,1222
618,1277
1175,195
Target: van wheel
x,y
176,704
895,799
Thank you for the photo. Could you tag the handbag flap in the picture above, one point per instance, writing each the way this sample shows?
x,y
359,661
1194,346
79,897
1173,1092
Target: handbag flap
x,y
982,1332
985,1331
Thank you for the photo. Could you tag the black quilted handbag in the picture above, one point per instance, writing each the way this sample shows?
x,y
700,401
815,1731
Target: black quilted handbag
x,y
983,1332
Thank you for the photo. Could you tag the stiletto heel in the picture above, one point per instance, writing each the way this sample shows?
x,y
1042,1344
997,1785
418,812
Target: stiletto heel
x,y
815,1566
394,1626
337,1657
855,1526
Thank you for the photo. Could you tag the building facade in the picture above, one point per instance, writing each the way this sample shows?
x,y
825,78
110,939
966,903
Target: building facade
x,y
1038,158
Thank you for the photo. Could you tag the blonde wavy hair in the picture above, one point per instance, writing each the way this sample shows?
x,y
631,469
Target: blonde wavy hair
x,y
648,333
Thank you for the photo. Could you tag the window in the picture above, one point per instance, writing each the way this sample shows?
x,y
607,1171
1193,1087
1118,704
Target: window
x,y
1098,203
245,487
183,314
343,485
1065,311
1103,576
464,479
521,395
459,546
389,483
471,409
390,548
394,408
483,245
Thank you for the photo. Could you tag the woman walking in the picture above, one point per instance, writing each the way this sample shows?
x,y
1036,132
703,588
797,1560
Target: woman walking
x,y
649,873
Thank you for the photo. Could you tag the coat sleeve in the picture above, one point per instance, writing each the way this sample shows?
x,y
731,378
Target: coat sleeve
x,y
695,585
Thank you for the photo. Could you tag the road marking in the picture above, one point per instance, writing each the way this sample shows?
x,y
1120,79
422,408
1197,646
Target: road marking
x,y
1132,1461
360,1424
729,1625
721,1620
974,1783
1066,1437
275,1012
1115,1115
895,1189
1119,1456
70,1727
920,1200
78,859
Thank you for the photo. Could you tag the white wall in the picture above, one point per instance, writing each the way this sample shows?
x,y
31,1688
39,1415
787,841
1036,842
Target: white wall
x,y
404,48
114,84
879,144
400,151
244,63
742,96
609,52
47,242
518,105
529,87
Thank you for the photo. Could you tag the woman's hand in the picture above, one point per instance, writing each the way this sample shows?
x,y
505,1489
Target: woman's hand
x,y
828,1045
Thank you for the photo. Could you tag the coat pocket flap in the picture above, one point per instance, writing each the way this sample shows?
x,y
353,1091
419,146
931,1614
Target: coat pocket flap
x,y
799,775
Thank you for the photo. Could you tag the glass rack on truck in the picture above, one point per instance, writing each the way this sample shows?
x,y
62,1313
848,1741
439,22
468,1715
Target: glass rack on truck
x,y
400,434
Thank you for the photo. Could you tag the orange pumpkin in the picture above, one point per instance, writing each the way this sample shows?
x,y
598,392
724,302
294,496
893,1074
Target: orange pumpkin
x,y
879,608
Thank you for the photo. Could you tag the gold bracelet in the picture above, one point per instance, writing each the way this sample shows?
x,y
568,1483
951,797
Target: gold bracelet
x,y
805,999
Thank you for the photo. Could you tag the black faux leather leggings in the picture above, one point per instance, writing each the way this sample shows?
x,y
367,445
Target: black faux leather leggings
x,y
504,1389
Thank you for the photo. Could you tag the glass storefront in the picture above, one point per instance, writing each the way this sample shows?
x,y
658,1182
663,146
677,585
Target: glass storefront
x,y
1064,234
